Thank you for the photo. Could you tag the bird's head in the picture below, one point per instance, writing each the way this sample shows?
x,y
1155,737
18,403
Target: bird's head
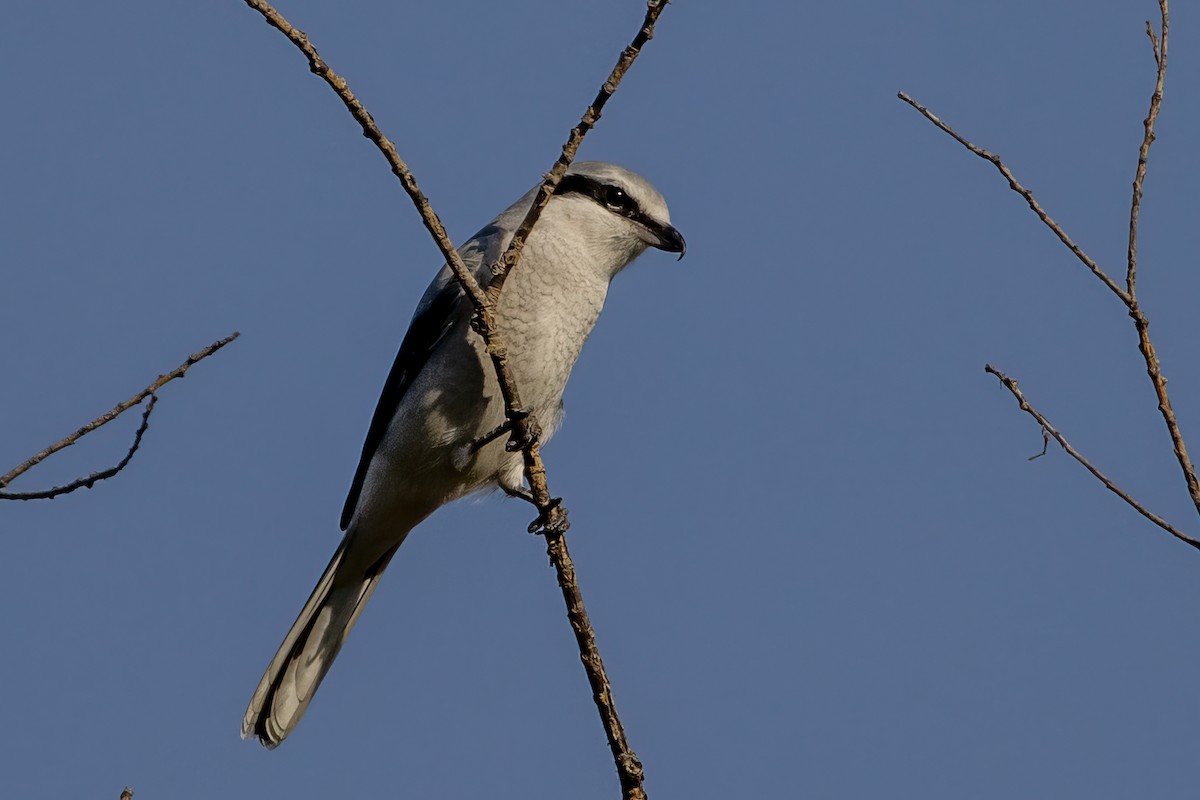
x,y
616,210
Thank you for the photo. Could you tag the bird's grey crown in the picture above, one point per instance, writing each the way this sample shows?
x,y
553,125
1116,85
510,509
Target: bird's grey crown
x,y
592,178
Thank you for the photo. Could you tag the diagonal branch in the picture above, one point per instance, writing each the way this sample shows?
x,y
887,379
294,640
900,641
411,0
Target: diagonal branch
x,y
523,426
512,254
1140,321
552,521
104,419
1048,429
433,224
1016,186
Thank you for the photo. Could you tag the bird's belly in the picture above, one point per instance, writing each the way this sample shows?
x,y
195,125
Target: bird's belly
x,y
428,459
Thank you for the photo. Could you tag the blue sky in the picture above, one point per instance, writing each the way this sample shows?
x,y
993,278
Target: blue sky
x,y
816,557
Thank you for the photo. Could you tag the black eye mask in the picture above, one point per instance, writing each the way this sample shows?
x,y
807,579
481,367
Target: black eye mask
x,y
614,198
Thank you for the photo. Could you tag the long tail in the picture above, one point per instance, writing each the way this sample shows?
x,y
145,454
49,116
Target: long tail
x,y
309,648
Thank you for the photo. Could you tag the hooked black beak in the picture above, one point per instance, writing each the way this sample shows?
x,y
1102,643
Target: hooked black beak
x,y
671,241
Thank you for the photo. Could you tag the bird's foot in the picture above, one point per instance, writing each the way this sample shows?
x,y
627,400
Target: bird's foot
x,y
509,425
519,492
552,521
525,430
491,436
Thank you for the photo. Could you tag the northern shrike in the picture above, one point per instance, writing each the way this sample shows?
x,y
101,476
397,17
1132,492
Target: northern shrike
x,y
442,396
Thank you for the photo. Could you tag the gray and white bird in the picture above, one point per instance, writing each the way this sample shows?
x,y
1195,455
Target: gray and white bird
x,y
442,396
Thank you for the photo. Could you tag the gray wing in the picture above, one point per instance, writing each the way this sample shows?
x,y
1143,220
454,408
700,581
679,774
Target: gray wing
x,y
443,305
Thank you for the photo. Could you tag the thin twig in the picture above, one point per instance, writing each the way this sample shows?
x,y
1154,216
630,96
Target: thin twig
x,y
370,130
1047,428
90,480
553,520
1016,186
1153,41
1045,445
1160,61
1140,321
104,419
629,768
1128,295
508,260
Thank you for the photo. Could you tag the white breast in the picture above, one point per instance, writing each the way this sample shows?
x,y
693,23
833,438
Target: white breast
x,y
549,306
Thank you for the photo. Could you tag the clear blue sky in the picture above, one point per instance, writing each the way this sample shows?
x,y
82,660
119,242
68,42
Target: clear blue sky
x,y
817,559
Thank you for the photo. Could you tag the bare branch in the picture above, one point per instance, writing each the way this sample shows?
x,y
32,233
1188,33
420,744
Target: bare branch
x,y
1140,322
522,426
629,768
104,419
485,324
1016,186
512,254
370,130
1048,429
1128,295
1154,370
1160,61
90,480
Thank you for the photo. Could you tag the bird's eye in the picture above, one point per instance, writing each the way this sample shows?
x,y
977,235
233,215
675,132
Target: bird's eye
x,y
617,200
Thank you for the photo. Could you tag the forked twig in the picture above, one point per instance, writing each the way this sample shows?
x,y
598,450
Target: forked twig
x,y
117,410
89,481
1140,321
1051,431
521,425
1128,295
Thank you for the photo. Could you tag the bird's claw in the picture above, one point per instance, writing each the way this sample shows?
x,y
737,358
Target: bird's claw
x,y
477,323
552,521
512,425
525,430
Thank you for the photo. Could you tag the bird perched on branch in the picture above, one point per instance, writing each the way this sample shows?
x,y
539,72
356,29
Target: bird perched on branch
x,y
428,440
